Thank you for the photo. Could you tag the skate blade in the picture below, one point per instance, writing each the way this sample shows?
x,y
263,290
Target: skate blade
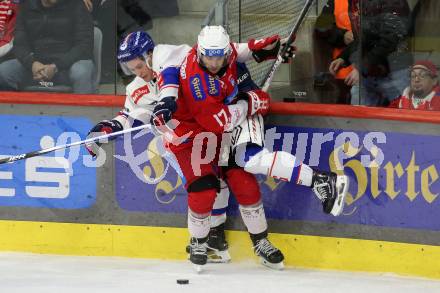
x,y
274,266
217,256
342,184
198,268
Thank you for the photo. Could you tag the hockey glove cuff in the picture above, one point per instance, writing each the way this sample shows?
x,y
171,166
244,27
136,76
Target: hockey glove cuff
x,y
258,101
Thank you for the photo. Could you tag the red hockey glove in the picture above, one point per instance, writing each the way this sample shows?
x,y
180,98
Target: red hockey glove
x,y
258,101
266,49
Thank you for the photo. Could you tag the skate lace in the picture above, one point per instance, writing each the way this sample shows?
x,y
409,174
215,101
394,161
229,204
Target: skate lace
x,y
265,247
322,190
198,249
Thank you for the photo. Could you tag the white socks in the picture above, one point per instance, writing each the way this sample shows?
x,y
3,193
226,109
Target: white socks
x,y
254,218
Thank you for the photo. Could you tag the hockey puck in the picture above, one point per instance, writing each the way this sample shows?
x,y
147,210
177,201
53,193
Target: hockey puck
x,y
182,281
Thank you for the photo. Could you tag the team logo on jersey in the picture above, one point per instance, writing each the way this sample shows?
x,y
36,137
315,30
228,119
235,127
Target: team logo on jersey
x,y
213,85
197,88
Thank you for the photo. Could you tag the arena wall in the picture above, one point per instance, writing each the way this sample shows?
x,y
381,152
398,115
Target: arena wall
x,y
67,206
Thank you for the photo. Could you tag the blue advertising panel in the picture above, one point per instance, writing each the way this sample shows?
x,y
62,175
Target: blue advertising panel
x,y
394,177
54,180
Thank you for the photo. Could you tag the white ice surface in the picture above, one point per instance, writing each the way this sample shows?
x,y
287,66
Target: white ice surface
x,y
32,273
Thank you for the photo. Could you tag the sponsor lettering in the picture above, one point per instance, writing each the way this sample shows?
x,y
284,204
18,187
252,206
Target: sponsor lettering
x,y
213,86
214,52
183,70
196,88
242,78
138,93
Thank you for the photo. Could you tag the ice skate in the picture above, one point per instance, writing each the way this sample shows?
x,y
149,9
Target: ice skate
x,y
217,247
331,189
197,253
270,256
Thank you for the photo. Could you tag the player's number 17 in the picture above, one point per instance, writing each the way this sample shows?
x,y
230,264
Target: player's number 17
x,y
220,117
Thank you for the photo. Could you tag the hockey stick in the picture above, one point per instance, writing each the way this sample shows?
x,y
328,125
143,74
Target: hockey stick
x,y
279,60
69,145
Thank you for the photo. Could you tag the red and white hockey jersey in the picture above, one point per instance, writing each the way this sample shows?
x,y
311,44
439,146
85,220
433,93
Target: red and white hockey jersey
x,y
203,98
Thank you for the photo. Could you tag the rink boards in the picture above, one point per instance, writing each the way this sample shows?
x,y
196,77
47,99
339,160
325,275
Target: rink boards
x,y
63,204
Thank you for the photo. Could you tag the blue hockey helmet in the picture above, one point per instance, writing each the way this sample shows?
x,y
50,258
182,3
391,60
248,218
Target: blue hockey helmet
x,y
134,45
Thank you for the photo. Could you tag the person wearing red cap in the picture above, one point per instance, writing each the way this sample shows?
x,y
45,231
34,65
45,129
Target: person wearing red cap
x,y
423,92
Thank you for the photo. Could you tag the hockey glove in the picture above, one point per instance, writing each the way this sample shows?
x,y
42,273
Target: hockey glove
x,y
162,114
258,101
103,127
266,49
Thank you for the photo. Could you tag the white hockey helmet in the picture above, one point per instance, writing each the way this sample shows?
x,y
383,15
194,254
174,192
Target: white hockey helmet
x,y
213,41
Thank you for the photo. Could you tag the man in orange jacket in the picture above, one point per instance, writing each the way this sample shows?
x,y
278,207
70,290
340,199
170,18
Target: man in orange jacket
x,y
334,25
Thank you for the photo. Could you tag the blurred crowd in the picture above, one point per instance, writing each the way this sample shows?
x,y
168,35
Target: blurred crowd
x,y
380,53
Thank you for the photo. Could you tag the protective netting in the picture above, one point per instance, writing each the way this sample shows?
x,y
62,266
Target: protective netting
x,y
255,19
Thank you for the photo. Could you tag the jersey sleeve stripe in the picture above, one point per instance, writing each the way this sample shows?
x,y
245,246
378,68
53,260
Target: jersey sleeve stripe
x,y
170,86
169,76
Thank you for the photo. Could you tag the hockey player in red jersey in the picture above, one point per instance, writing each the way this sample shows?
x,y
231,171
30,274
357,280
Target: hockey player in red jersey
x,y
208,107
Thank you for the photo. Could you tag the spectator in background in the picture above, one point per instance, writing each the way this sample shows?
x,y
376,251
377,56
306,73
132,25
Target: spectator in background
x,y
104,17
379,52
53,45
139,17
8,16
334,26
424,34
423,92
89,5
